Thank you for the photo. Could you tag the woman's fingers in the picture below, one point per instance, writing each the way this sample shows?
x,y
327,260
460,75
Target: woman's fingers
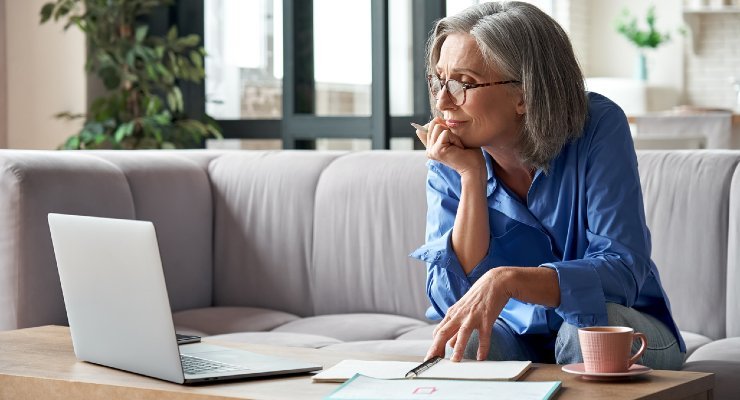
x,y
421,132
435,129
442,334
484,344
422,137
461,340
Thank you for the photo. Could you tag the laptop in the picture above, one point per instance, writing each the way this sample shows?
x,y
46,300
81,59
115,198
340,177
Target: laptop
x,y
119,313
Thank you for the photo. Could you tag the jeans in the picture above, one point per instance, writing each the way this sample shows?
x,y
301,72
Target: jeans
x,y
564,348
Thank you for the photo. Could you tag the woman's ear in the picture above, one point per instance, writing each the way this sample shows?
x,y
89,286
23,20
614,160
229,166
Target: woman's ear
x,y
521,106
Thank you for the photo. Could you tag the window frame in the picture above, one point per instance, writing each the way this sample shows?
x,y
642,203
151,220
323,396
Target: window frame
x,y
299,130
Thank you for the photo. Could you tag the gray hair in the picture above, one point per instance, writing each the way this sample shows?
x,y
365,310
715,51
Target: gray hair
x,y
523,43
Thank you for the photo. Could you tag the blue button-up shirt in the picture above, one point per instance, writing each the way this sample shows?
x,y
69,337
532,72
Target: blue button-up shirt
x,y
585,219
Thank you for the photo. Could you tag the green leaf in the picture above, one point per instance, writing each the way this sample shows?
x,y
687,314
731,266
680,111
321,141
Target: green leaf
x,y
196,58
46,12
141,32
153,105
131,58
72,143
124,130
178,99
151,73
110,77
189,41
172,34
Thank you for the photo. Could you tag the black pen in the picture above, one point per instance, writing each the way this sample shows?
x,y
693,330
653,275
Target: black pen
x,y
423,367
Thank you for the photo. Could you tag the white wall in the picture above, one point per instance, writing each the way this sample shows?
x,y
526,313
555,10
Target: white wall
x,y
45,75
610,54
3,94
714,61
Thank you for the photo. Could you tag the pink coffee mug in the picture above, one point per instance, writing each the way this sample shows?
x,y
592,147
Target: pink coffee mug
x,y
609,348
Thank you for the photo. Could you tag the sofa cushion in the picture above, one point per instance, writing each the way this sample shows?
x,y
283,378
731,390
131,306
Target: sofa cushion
x,y
289,339
721,357
353,327
686,197
694,341
263,228
719,350
221,320
421,333
370,214
399,347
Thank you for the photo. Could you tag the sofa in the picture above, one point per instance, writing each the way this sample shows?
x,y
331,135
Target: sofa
x,y
310,248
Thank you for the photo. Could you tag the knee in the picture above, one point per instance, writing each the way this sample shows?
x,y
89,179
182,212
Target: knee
x,y
567,345
619,315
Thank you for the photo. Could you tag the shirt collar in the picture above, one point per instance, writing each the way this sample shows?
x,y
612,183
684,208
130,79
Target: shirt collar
x,y
491,180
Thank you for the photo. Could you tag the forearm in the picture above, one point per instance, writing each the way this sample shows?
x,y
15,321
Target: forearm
x,y
470,233
534,285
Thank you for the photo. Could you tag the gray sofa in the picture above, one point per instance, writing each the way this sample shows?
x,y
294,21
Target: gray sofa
x,y
306,248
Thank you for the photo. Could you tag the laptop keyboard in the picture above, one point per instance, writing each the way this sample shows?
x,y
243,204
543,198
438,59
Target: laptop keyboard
x,y
195,365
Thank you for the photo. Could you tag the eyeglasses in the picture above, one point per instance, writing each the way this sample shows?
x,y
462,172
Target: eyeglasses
x,y
456,90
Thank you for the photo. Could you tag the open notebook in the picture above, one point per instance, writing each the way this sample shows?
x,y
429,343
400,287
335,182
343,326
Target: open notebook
x,y
445,369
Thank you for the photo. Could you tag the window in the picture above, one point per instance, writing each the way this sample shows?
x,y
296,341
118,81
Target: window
x,y
244,66
342,57
305,70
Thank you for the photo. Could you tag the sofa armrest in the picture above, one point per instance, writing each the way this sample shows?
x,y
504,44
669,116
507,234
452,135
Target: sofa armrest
x,y
33,184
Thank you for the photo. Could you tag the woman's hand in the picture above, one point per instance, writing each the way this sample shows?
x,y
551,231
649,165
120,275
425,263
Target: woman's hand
x,y
477,310
444,146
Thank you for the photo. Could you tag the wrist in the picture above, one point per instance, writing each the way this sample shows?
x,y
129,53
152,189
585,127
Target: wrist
x,y
506,280
474,175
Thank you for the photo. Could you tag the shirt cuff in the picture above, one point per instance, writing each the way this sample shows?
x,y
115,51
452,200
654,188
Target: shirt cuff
x,y
439,251
582,300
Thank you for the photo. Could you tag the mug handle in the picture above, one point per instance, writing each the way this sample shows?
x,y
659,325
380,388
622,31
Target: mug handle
x,y
643,347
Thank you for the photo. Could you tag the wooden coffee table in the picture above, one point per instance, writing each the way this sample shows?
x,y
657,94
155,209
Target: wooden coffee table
x,y
39,363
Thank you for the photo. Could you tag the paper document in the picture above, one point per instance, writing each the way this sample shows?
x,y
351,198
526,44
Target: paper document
x,y
445,369
365,388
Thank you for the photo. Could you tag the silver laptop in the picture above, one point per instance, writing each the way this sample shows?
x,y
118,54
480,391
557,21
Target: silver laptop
x,y
119,313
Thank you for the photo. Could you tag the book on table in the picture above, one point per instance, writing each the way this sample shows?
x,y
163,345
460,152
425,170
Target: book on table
x,y
444,369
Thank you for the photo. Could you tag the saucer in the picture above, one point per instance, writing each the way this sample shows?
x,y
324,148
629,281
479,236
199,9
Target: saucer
x,y
580,369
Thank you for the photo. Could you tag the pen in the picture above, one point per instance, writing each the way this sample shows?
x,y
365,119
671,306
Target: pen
x,y
423,367
419,127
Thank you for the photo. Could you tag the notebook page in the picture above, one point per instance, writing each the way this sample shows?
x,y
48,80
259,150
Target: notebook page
x,y
375,369
477,370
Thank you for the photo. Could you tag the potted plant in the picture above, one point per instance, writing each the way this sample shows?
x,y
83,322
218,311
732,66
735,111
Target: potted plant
x,y
143,106
626,25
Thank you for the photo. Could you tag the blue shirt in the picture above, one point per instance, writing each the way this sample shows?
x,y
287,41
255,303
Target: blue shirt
x,y
585,219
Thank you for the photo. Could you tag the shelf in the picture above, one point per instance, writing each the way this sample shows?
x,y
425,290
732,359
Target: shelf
x,y
693,17
712,10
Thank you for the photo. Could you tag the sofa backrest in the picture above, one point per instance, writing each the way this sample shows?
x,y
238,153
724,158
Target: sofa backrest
x,y
686,195
326,232
733,259
370,214
263,227
174,192
136,185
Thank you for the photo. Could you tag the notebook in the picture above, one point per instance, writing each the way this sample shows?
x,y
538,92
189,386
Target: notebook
x,y
362,387
119,313
445,369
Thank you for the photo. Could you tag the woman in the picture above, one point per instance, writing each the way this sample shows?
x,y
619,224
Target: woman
x,y
535,222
